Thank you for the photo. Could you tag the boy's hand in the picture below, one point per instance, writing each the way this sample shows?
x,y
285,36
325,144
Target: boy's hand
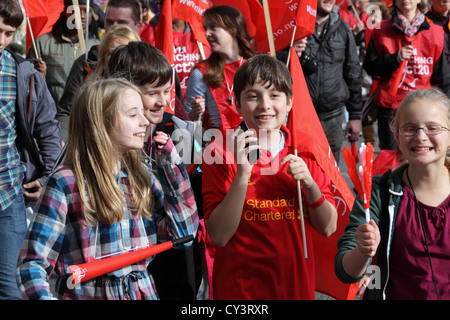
x,y
160,139
40,66
241,139
32,190
368,238
299,170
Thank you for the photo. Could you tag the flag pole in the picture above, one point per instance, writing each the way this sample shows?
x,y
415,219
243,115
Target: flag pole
x,y
302,220
32,37
292,43
200,48
87,29
269,28
79,26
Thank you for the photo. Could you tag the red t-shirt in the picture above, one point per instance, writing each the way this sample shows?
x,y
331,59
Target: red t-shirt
x,y
264,259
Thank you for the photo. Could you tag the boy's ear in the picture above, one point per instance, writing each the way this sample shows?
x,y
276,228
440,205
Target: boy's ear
x,y
289,104
238,106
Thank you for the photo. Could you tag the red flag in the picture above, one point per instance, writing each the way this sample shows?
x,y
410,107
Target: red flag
x,y
192,11
164,42
308,136
284,17
250,9
43,15
342,4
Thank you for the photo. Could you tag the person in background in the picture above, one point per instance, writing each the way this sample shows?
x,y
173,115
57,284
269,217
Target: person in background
x,y
439,14
123,12
333,74
57,50
209,93
406,36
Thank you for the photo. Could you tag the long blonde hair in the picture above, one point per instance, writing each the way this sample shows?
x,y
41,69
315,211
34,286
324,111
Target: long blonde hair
x,y
92,156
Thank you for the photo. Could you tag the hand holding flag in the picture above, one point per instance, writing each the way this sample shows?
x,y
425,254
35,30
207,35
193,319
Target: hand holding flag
x,y
363,181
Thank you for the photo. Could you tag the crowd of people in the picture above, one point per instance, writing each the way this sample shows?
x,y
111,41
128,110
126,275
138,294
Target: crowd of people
x,y
92,164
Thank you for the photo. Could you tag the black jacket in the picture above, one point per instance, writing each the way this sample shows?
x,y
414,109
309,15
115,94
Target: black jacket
x,y
337,81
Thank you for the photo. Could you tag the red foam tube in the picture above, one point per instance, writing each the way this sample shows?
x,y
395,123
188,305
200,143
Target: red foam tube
x,y
90,270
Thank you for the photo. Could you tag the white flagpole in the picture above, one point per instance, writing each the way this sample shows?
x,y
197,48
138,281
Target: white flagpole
x,y
87,29
269,28
79,26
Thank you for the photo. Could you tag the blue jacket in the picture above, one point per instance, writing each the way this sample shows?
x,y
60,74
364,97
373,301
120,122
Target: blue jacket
x,y
38,137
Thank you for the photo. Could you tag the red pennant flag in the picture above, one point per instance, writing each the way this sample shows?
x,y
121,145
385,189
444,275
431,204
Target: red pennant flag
x,y
284,17
308,136
192,11
42,15
342,4
250,9
164,42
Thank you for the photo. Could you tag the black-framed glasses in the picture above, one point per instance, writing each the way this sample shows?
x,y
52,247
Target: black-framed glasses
x,y
430,130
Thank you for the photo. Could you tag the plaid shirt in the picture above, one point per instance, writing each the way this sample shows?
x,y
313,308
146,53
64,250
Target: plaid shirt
x,y
59,235
11,170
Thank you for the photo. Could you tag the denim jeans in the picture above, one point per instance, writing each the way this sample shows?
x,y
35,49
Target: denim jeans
x,y
13,227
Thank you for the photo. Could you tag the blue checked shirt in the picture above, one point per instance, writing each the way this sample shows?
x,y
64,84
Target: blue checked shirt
x,y
11,170
59,235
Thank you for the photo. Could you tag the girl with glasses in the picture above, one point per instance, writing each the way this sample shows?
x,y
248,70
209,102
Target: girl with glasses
x,y
408,236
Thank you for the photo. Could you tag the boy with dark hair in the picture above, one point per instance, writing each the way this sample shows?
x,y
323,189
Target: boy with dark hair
x,y
29,140
147,67
252,210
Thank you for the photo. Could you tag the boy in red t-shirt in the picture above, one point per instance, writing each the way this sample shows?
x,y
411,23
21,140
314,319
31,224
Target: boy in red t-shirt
x,y
251,210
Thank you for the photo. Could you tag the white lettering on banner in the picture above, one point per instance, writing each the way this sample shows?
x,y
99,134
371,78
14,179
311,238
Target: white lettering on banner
x,y
311,11
194,5
287,27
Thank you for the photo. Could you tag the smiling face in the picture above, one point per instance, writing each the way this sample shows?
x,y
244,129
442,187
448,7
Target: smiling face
x,y
263,107
324,7
128,131
423,149
155,100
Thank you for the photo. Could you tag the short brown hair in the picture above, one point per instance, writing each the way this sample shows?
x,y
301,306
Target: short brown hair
x,y
11,13
266,69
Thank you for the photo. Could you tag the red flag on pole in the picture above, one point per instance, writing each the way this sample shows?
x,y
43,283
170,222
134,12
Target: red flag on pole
x,y
42,15
192,11
308,136
284,17
164,42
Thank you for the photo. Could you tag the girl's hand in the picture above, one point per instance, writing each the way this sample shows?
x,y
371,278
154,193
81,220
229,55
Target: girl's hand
x,y
160,139
198,108
406,52
367,239
299,171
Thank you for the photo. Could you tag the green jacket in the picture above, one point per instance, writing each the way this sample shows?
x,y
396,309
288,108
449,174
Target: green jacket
x,y
384,202
59,57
